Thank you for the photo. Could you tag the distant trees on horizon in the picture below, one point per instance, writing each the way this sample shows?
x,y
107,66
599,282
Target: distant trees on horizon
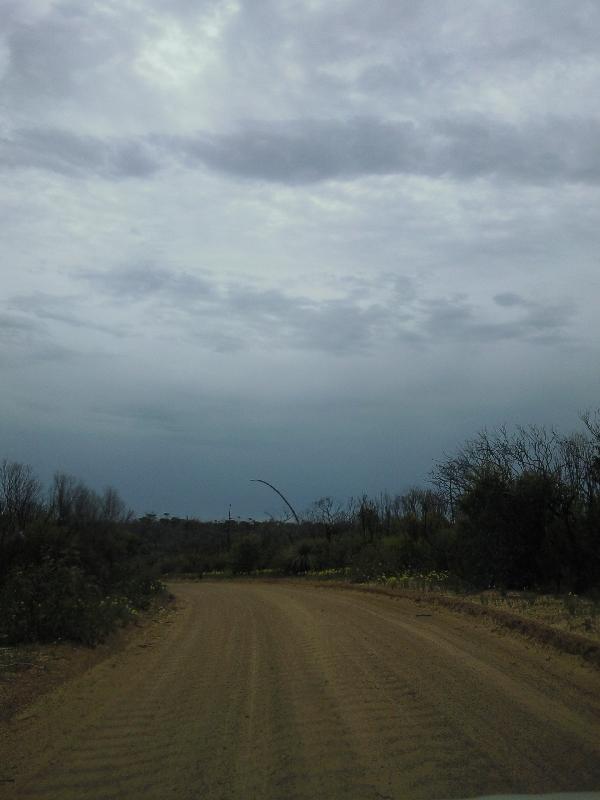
x,y
511,508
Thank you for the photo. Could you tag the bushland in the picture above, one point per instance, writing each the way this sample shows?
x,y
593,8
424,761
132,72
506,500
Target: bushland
x,y
70,567
509,510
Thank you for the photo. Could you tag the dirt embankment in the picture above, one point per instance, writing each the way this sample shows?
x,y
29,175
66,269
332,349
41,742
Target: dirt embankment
x,y
279,691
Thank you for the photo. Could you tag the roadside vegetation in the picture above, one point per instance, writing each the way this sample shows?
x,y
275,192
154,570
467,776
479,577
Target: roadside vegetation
x,y
70,566
512,519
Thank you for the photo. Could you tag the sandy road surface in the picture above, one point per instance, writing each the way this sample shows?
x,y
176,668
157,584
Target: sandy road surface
x,y
282,691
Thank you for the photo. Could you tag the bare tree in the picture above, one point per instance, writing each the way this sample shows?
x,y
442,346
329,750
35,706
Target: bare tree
x,y
113,507
328,513
591,420
87,504
19,495
62,496
592,423
326,510
368,516
532,449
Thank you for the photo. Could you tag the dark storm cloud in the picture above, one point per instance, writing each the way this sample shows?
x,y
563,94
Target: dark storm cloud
x,y
309,151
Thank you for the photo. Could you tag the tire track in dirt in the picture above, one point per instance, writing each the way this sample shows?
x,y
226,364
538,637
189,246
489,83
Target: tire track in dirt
x,y
408,740
278,691
478,670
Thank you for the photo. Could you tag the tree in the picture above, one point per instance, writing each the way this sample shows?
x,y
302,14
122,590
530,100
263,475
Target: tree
x,y
19,495
369,518
527,505
328,514
113,507
423,510
62,497
245,554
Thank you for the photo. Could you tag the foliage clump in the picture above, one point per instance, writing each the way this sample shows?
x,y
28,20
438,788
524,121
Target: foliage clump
x,y
70,568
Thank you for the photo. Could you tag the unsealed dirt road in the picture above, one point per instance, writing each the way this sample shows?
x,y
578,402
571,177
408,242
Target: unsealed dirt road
x,y
284,691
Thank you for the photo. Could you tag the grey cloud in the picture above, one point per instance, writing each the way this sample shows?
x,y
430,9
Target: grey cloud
x,y
304,151
144,416
186,9
74,52
16,328
154,133
72,154
131,283
233,317
329,32
309,151
39,354
26,341
344,327
53,49
227,317
457,319
543,152
141,282
335,326
549,320
59,308
508,299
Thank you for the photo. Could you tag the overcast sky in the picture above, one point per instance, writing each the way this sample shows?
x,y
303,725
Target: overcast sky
x,y
317,243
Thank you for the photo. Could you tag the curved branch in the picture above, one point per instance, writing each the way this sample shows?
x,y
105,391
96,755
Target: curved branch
x,y
270,485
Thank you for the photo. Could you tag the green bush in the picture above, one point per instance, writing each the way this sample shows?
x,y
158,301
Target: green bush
x,y
245,555
52,600
56,600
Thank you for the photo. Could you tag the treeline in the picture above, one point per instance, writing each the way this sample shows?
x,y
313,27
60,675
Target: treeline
x,y
515,509
510,509
70,565
525,507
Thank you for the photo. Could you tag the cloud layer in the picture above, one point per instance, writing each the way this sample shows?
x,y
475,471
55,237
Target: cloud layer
x,y
318,242
298,151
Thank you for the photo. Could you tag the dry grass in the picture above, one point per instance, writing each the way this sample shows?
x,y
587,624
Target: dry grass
x,y
569,623
569,613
